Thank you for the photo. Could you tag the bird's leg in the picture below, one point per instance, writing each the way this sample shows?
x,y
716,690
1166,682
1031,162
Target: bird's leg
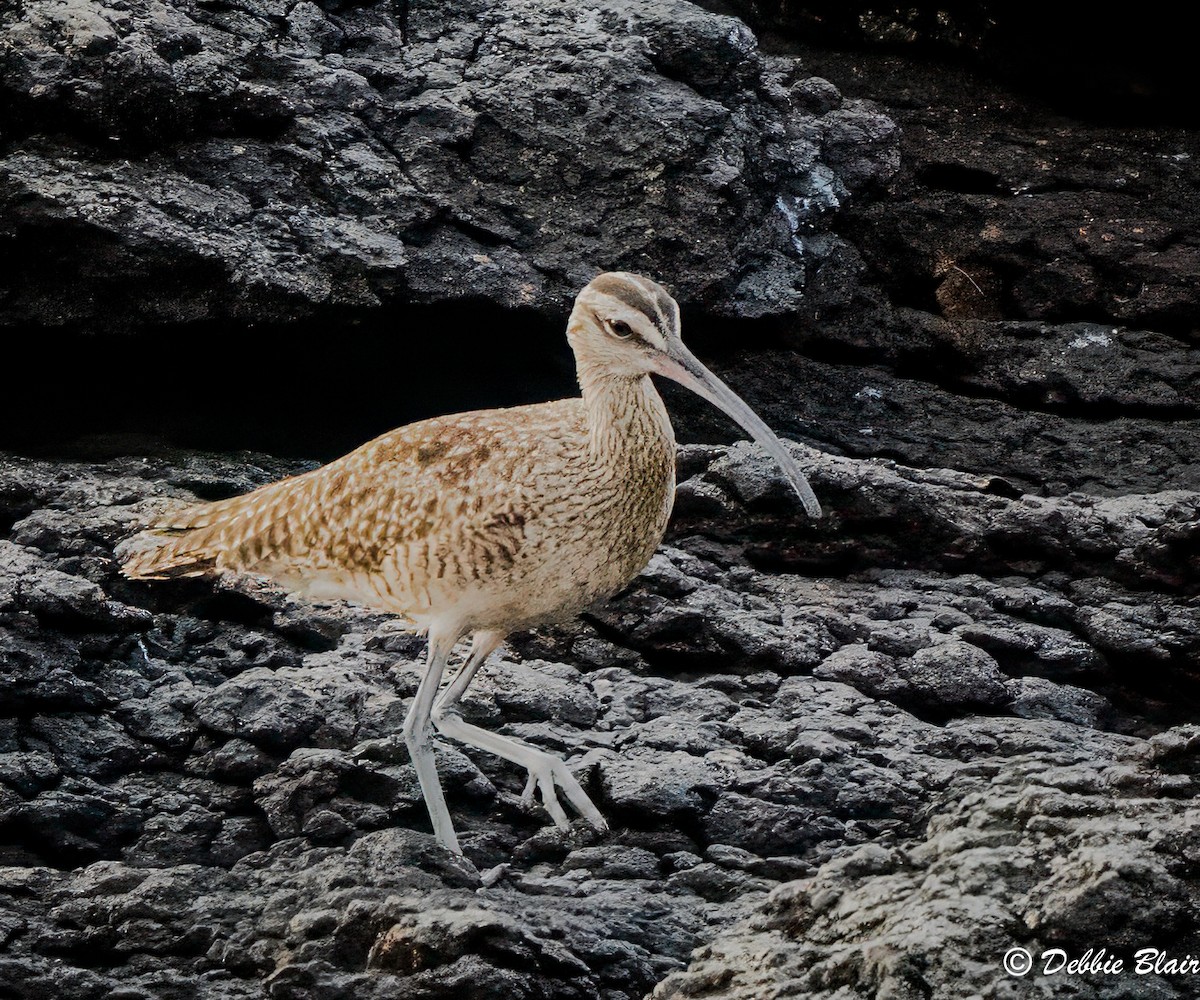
x,y
545,770
418,735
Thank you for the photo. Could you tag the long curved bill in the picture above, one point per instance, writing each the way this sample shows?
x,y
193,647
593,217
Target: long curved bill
x,y
685,368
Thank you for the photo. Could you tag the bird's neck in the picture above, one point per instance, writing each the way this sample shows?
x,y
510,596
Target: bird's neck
x,y
626,419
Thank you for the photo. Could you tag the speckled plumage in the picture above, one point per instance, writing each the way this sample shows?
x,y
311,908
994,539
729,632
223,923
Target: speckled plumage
x,y
482,523
499,519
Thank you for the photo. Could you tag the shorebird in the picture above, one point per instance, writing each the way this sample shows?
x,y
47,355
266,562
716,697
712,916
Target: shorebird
x,y
482,523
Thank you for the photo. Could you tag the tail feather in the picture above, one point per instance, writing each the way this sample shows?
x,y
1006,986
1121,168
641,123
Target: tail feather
x,y
184,543
242,533
164,561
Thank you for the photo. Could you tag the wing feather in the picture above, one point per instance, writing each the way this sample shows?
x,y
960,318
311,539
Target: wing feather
x,y
442,485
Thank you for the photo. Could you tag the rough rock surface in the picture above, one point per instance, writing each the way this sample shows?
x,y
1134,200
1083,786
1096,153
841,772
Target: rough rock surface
x,y
859,758
1062,845
263,160
1125,67
204,792
1023,303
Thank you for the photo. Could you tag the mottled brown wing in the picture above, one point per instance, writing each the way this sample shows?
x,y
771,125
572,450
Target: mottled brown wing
x,y
458,484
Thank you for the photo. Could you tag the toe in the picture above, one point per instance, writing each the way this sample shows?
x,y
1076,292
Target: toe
x,y
530,789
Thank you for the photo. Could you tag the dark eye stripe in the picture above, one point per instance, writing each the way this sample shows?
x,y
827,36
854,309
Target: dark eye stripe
x,y
643,295
668,312
628,294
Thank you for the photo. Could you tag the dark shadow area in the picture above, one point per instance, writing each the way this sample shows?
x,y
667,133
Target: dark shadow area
x,y
312,389
1119,67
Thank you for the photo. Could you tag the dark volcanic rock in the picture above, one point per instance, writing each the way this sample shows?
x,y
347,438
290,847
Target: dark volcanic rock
x,y
1064,846
888,514
1052,50
860,756
1021,303
187,160
196,788
1025,303
870,411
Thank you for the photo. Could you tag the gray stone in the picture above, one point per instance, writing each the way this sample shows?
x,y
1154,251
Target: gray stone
x,y
940,915
261,708
954,675
614,862
1038,698
948,715
349,156
660,783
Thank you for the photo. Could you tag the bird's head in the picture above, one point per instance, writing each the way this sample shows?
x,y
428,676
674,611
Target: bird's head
x,y
627,326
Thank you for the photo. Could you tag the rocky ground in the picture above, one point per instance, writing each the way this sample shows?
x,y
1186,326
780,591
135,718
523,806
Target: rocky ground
x,y
890,775
856,758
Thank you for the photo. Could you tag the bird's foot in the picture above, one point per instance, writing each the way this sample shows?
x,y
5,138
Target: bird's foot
x,y
545,774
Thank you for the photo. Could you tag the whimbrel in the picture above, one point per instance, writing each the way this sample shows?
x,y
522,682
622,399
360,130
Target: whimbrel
x,y
482,523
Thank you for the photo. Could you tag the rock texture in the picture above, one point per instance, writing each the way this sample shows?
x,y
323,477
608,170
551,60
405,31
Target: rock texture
x,y
863,757
1023,303
204,790
193,159
1056,845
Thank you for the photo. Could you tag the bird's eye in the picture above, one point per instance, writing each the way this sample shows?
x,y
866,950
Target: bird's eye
x,y
620,329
